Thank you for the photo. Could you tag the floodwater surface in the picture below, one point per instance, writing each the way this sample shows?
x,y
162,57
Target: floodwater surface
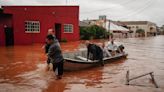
x,y
23,69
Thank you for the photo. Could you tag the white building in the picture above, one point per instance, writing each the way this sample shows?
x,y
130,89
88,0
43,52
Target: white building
x,y
111,26
149,27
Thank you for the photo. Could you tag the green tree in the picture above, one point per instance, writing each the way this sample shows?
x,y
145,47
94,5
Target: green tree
x,y
84,33
141,32
92,32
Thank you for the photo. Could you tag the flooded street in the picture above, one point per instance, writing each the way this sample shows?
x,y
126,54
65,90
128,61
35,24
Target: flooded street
x,y
23,69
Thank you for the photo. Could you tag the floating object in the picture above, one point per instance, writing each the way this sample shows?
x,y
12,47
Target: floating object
x,y
150,73
78,60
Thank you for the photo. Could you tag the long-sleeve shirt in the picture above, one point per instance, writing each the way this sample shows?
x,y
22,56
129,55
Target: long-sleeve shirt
x,y
55,53
47,46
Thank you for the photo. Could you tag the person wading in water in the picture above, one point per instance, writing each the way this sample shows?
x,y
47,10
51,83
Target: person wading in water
x,y
55,55
47,46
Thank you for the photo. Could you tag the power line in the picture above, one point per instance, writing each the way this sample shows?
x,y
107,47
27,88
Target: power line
x,y
147,5
132,10
124,3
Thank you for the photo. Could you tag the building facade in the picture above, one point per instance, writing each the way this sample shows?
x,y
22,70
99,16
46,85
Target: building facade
x,y
102,21
118,30
161,30
22,25
149,28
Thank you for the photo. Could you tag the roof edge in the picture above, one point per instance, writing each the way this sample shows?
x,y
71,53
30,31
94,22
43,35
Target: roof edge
x,y
40,6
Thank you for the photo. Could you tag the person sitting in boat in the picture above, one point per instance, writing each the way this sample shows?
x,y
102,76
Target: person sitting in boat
x,y
95,51
112,48
120,49
106,53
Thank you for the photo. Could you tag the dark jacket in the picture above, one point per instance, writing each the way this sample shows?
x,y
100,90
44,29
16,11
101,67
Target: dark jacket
x,y
47,46
55,53
96,51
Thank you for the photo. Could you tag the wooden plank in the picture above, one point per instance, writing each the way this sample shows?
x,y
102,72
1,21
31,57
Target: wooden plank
x,y
152,76
150,73
140,76
127,78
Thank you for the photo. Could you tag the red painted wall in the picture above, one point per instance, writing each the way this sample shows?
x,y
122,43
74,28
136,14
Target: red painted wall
x,y
48,16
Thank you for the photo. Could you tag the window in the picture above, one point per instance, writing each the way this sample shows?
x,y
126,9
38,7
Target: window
x,y
32,26
68,28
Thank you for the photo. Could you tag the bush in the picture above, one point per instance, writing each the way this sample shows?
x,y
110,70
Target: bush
x,y
109,34
141,32
63,40
85,33
92,32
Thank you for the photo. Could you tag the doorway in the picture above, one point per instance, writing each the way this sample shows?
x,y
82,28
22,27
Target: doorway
x,y
9,36
58,31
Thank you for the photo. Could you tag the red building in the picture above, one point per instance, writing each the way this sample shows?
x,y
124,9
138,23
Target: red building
x,y
22,25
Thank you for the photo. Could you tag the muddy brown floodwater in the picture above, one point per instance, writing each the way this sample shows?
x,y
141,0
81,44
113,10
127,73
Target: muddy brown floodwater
x,y
22,69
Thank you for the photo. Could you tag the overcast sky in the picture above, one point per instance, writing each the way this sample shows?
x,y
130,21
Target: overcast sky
x,y
149,10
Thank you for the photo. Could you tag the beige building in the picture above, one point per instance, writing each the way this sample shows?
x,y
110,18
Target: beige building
x,y
149,27
161,30
118,31
98,22
102,21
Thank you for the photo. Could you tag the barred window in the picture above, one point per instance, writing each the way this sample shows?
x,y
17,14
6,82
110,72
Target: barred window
x,y
68,28
32,26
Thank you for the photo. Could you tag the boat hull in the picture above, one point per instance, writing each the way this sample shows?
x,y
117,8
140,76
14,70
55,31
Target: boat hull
x,y
73,65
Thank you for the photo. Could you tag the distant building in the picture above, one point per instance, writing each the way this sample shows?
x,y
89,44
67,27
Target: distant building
x,y
83,24
101,23
161,30
102,17
21,25
116,28
149,27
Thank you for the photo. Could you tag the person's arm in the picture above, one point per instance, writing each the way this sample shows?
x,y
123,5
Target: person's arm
x,y
51,52
115,46
43,47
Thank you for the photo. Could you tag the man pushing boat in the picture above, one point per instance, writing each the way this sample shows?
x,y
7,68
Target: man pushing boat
x,y
55,55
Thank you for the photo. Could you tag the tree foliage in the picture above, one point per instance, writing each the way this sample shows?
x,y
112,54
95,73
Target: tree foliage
x,y
140,31
92,32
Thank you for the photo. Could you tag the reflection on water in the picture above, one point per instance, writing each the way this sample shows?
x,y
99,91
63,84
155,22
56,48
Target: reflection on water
x,y
22,69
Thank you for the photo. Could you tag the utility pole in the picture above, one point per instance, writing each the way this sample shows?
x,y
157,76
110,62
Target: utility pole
x,y
66,2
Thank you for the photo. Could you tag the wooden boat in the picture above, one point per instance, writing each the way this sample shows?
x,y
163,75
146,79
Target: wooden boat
x,y
78,61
